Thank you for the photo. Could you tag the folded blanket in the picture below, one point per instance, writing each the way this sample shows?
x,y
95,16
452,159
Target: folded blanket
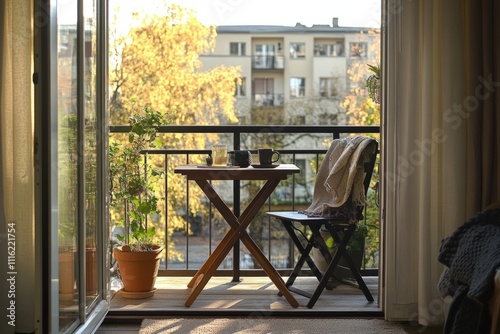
x,y
339,187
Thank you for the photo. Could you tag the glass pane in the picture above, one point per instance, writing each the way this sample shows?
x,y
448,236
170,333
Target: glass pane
x,y
297,50
68,164
233,49
91,276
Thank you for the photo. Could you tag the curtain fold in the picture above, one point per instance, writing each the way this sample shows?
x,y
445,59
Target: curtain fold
x,y
16,159
483,86
440,137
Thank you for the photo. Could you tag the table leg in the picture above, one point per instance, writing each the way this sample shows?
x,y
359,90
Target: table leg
x,y
227,214
237,231
250,212
213,263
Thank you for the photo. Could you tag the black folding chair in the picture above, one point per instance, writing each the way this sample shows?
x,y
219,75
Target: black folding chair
x,y
340,228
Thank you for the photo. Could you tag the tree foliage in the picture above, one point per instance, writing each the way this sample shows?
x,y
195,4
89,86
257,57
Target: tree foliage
x,y
157,63
361,109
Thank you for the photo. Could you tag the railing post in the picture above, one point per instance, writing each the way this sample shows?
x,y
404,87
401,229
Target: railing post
x,y
236,205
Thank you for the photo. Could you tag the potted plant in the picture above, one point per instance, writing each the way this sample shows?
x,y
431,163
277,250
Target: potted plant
x,y
132,193
373,83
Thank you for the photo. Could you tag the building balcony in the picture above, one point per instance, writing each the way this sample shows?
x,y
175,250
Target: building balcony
x,y
268,62
261,100
240,285
203,228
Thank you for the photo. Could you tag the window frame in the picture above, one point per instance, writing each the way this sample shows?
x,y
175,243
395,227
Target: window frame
x,y
300,88
297,50
357,46
240,88
331,83
330,47
240,46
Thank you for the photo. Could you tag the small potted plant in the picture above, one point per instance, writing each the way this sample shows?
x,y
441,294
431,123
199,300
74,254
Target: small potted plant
x,y
132,193
373,83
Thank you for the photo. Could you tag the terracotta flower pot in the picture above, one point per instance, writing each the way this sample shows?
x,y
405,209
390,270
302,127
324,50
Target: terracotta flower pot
x,y
67,274
138,271
91,271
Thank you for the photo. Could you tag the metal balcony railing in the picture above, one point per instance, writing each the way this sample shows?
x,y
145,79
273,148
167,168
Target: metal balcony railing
x,y
302,145
268,99
268,62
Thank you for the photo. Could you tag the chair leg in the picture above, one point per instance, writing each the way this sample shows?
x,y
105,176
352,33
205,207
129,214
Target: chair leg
x,y
345,254
317,240
304,258
304,251
341,253
329,272
324,279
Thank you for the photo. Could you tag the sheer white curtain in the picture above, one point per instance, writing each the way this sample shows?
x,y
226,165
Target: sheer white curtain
x,y
16,161
429,104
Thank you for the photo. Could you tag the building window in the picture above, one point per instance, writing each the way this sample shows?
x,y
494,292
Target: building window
x,y
297,87
299,120
329,49
328,118
263,90
264,56
297,50
241,88
358,50
237,49
328,87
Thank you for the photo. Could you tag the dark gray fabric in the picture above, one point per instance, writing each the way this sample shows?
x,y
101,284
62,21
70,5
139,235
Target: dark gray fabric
x,y
472,256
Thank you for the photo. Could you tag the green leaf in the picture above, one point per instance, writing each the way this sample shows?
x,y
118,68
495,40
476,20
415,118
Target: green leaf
x,y
329,242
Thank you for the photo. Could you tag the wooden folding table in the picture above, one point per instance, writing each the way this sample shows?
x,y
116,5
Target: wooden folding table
x,y
202,175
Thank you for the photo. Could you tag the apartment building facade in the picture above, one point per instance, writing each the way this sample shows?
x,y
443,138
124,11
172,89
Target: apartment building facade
x,y
294,75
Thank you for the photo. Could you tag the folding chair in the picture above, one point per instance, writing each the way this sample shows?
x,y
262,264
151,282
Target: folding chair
x,y
339,226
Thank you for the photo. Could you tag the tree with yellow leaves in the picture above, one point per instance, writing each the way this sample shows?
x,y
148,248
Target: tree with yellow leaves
x,y
157,64
360,109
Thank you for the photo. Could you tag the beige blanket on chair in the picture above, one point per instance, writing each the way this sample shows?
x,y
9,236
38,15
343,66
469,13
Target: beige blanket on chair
x,y
340,176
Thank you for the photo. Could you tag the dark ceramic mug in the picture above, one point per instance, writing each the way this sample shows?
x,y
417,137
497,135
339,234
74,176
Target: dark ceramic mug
x,y
242,158
268,156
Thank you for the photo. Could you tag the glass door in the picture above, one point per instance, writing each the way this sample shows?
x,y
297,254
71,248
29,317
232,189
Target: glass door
x,y
263,91
264,56
72,117
68,164
89,128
